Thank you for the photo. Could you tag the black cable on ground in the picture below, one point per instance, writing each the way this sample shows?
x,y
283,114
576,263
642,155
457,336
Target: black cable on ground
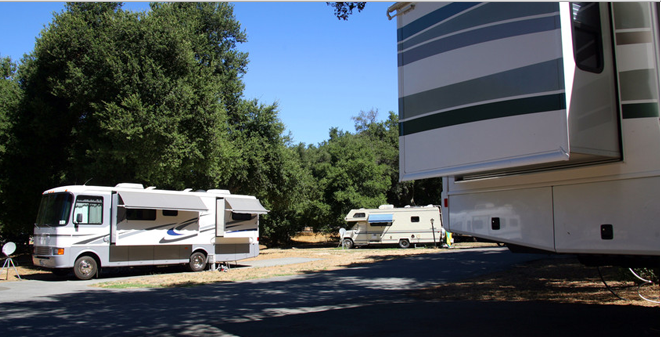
x,y
608,287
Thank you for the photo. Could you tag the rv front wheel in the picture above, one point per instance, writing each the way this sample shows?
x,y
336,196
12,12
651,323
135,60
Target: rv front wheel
x,y
85,268
198,261
404,243
348,243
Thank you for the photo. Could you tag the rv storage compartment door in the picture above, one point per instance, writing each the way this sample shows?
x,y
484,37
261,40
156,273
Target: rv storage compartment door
x,y
487,87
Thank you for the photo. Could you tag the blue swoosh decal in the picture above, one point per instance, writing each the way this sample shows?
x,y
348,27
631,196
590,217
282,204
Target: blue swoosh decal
x,y
172,232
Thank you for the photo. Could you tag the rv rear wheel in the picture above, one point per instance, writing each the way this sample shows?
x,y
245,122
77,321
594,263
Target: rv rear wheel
x,y
404,243
85,268
198,261
348,243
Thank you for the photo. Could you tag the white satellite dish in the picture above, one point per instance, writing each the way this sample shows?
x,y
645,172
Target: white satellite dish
x,y
9,248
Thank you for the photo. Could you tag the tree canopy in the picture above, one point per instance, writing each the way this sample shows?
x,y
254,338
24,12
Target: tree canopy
x,y
343,10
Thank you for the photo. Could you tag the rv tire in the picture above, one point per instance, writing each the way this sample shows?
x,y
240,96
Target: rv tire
x,y
85,268
198,261
404,243
348,243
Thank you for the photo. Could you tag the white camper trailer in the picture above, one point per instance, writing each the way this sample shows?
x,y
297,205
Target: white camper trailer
x,y
542,118
89,227
389,225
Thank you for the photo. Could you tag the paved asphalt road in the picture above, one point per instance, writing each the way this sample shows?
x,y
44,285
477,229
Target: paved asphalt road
x,y
369,300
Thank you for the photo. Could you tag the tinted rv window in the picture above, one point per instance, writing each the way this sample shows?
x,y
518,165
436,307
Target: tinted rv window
x,y
241,216
415,219
132,214
91,209
359,215
588,49
170,213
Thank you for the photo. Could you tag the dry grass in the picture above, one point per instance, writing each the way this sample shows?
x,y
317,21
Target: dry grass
x,y
555,280
328,258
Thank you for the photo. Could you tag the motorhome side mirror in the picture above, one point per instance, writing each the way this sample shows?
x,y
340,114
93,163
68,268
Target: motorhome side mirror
x,y
79,218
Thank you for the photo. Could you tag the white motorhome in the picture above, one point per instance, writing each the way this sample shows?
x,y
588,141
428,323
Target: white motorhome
x,y
390,225
90,227
542,118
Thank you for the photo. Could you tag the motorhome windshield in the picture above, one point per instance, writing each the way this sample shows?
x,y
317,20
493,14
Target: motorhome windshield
x,y
54,209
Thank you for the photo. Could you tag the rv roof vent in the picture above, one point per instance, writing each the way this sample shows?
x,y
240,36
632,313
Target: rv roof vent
x,y
129,185
217,191
385,207
188,190
150,188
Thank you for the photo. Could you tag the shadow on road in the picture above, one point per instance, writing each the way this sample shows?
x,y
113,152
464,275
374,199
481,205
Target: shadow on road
x,y
370,300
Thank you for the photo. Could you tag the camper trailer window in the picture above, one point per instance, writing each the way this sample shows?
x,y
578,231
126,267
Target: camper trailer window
x,y
170,213
415,219
91,208
588,49
54,209
140,214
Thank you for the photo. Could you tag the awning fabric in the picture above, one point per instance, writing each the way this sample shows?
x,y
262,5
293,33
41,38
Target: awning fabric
x,y
138,200
379,218
245,205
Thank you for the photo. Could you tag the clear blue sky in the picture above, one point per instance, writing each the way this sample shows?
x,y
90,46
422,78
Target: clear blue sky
x,y
320,70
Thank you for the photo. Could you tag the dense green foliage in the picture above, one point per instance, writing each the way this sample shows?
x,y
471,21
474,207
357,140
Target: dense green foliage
x,y
156,97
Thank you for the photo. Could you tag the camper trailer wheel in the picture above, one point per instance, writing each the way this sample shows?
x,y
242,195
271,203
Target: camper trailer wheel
x,y
348,243
85,268
198,261
404,243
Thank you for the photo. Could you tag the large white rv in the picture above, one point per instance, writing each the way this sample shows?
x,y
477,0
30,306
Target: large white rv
x,y
390,225
90,227
542,118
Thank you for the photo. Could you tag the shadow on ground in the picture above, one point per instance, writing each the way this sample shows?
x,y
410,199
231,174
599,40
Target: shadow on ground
x,y
370,300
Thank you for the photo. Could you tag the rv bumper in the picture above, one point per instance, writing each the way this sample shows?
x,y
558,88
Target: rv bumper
x,y
50,257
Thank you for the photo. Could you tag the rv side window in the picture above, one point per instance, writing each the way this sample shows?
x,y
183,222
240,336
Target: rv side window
x,y
241,216
140,214
91,208
415,219
170,213
359,215
588,49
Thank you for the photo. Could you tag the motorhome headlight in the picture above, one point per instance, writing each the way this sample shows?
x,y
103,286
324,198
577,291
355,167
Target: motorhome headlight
x,y
58,251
